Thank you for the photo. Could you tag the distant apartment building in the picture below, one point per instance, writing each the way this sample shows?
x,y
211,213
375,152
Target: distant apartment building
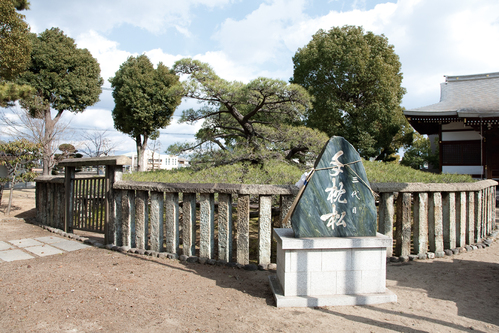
x,y
158,161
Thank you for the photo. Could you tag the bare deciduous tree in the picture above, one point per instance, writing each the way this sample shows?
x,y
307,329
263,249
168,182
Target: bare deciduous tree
x,y
97,143
20,125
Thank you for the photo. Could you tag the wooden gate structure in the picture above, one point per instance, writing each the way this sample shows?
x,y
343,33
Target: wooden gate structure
x,y
88,204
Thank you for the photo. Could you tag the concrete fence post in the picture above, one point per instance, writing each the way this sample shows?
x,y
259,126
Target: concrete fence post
x,y
141,219
265,229
386,214
478,216
128,218
449,219
189,224
225,227
156,216
172,223
470,219
403,225
242,229
207,225
461,208
421,224
435,226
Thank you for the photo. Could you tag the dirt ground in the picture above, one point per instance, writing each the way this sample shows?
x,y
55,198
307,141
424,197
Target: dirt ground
x,y
95,290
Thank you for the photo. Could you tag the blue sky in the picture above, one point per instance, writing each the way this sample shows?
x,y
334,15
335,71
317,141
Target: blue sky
x,y
243,40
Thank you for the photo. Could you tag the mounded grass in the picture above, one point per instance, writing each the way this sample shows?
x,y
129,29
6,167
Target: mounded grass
x,y
380,172
282,173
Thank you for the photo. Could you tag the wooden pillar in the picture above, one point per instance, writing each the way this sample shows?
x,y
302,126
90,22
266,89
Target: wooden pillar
x,y
69,185
113,174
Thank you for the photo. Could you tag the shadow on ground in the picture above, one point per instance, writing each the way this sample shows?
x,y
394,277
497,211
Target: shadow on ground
x,y
450,280
253,283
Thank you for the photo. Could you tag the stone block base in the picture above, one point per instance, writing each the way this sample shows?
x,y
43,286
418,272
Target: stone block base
x,y
327,300
330,270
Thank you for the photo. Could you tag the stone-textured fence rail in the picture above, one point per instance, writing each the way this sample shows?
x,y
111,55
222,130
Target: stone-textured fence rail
x,y
135,224
437,216
198,219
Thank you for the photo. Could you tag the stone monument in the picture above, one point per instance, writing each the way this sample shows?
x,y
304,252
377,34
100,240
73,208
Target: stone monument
x,y
332,255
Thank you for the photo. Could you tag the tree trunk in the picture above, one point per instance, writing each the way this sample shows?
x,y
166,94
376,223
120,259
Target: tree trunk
x,y
10,199
141,149
152,160
47,140
12,183
2,186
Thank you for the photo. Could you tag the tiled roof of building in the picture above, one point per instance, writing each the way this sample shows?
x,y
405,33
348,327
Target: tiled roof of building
x,y
465,96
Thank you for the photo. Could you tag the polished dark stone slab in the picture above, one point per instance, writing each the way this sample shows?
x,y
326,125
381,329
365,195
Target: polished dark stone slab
x,y
337,200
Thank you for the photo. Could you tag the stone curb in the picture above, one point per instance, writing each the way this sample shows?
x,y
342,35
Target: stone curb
x,y
161,255
484,243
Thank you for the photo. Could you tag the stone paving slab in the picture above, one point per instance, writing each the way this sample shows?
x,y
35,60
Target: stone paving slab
x,y
25,242
48,239
44,250
68,245
5,246
18,249
16,254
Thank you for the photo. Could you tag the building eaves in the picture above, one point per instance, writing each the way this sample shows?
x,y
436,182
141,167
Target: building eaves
x,y
465,96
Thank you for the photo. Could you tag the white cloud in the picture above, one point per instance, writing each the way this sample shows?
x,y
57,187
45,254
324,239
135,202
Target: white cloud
x,y
158,55
259,36
76,17
432,38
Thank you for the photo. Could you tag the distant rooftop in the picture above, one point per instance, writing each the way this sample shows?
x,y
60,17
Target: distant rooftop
x,y
474,95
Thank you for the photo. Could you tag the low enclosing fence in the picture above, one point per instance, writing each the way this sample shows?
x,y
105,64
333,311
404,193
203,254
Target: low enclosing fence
x,y
215,220
424,218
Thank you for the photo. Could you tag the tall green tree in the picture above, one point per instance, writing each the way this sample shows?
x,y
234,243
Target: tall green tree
x,y
419,154
355,79
15,49
249,122
145,100
65,78
19,157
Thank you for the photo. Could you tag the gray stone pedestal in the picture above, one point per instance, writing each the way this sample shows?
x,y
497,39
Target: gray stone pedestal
x,y
327,271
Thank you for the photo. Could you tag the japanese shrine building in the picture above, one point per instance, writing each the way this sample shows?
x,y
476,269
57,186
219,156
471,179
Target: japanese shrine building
x,y
466,123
